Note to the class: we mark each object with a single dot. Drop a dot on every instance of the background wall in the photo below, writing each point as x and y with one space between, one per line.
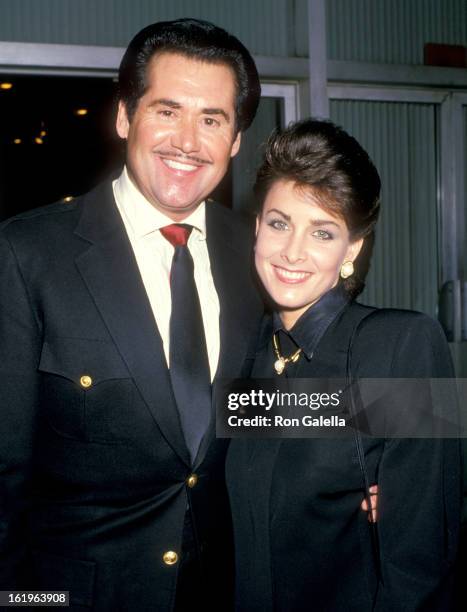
386 31
264 26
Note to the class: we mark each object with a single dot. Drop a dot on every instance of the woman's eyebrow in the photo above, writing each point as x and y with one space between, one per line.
319 222
286 217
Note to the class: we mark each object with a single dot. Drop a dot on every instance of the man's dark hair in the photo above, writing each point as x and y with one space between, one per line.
195 39
325 161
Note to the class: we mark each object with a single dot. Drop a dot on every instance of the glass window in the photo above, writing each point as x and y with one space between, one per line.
401 139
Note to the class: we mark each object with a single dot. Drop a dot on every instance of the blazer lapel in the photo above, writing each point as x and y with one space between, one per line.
110 271
230 256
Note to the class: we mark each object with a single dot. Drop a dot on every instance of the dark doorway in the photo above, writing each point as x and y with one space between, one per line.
57 138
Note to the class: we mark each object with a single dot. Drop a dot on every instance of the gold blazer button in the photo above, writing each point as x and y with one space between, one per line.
85 381
170 557
192 480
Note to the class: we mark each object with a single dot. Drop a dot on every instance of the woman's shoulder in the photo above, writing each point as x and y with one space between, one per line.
407 342
396 320
378 325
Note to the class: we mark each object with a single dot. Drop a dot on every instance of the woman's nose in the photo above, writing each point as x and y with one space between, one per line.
294 250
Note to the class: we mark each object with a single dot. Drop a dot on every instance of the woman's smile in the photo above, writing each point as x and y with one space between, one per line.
291 276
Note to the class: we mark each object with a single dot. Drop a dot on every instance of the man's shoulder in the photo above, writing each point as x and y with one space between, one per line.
46 221
240 227
228 215
41 214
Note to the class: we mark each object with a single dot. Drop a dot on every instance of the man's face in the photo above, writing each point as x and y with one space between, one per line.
182 135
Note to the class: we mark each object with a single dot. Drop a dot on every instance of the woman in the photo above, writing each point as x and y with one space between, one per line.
302 542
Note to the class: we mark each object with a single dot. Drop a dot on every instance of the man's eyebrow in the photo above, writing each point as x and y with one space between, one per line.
176 105
216 111
166 102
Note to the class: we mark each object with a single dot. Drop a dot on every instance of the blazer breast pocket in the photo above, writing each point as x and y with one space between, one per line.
86 391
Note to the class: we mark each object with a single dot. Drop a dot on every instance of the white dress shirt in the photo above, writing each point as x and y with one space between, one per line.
154 258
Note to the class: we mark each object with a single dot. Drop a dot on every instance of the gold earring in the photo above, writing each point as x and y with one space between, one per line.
347 269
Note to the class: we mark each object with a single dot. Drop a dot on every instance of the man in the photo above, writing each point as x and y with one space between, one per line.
116 313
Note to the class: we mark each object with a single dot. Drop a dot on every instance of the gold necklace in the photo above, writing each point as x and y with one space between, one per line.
281 361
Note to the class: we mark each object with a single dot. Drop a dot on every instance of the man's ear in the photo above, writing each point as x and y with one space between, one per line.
236 144
122 124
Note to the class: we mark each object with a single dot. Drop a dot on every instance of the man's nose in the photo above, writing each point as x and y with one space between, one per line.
186 136
294 250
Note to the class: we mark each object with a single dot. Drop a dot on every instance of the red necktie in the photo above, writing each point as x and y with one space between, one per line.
189 364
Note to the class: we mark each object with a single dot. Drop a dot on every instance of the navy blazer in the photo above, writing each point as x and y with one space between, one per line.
94 476
302 542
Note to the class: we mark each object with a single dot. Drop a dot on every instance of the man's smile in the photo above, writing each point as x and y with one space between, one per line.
177 165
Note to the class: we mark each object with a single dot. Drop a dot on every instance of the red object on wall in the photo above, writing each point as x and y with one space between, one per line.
453 56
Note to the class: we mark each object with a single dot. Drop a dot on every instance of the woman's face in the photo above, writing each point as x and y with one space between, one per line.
299 249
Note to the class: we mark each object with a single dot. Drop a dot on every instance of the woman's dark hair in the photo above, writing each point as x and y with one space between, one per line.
195 39
321 158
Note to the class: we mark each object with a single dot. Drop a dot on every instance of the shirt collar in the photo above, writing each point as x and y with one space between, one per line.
310 327
142 217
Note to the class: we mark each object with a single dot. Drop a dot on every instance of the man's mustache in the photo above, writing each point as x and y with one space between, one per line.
187 158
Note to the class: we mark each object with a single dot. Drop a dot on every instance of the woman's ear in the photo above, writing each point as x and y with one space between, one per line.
353 250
